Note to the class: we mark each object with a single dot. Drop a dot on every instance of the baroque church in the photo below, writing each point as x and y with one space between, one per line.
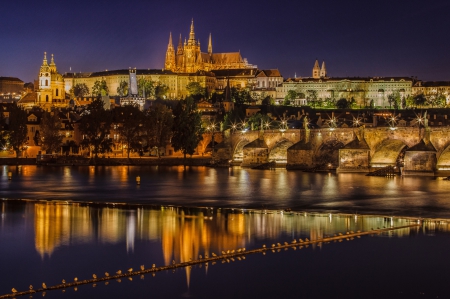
188 58
51 91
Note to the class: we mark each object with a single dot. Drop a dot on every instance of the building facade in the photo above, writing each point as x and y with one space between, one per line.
51 91
364 90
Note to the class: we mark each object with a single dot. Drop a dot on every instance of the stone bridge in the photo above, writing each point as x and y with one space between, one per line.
300 148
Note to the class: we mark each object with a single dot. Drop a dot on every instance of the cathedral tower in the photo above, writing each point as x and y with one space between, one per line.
316 70
170 55
323 70
192 51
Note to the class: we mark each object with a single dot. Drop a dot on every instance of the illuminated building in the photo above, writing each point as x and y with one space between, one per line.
189 58
364 90
10 88
51 91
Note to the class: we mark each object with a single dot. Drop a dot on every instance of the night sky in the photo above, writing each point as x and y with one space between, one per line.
355 38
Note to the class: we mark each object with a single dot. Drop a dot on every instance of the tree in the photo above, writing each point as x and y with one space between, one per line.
146 88
342 104
100 88
255 121
394 99
79 90
233 119
130 119
95 126
122 89
419 99
268 100
290 97
17 129
187 127
161 91
51 139
312 97
158 126
196 90
240 96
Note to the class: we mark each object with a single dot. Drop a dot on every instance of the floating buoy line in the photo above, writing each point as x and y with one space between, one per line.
225 256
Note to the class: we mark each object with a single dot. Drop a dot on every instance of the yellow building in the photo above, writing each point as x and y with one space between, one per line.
51 92
176 83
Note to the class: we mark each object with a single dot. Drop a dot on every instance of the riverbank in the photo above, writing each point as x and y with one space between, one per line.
111 161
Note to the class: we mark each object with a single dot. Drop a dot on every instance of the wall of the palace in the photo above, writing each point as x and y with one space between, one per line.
363 91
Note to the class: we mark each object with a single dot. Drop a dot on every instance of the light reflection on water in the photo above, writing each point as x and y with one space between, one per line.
73 235
64 240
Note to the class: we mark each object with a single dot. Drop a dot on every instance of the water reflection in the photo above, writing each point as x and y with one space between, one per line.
77 235
187 232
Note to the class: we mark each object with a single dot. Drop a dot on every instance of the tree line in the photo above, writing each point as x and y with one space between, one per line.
137 130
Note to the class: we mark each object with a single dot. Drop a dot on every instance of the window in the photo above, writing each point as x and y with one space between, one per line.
57 92
46 82
46 98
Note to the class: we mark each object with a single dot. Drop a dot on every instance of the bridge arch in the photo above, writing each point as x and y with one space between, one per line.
328 153
388 153
444 160
278 153
238 154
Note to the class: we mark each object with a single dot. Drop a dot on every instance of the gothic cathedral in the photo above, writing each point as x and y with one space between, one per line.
189 59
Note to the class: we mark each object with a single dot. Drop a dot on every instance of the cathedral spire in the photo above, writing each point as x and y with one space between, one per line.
170 41
180 46
192 33
210 45
316 70
170 55
323 70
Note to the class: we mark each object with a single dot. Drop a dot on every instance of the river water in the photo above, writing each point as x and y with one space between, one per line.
73 223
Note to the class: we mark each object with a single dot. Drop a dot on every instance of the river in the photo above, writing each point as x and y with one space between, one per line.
80 221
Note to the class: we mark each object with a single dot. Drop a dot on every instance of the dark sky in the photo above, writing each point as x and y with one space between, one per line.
355 38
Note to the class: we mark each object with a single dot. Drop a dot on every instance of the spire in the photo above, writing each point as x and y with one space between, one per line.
180 47
323 70
170 41
210 45
192 34
316 70
170 55
44 62
52 65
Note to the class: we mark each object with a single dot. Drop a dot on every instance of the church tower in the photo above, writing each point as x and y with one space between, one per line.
51 86
170 55
316 70
45 81
191 51
323 70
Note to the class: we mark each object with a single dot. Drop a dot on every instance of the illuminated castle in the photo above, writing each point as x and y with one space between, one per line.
188 57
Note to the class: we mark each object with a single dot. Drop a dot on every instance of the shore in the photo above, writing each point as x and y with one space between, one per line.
113 161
